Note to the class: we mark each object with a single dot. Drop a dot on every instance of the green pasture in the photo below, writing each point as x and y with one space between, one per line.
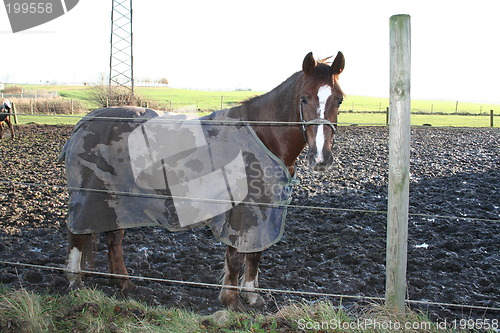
205 100
165 97
345 119
379 104
438 120
81 95
44 119
354 110
170 98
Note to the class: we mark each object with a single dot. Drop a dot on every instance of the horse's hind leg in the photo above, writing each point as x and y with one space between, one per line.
250 279
80 251
115 256
9 123
232 267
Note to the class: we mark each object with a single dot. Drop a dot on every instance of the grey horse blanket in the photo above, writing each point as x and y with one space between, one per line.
132 167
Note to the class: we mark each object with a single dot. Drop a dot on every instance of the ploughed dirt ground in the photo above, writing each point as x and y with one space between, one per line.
453 246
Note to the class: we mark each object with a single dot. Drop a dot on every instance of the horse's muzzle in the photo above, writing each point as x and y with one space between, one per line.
320 162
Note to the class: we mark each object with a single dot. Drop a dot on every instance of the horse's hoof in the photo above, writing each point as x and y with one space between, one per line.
127 286
75 285
254 300
237 307
257 302
231 300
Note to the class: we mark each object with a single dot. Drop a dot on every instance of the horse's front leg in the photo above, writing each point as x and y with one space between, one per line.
250 279
9 123
114 241
80 251
232 267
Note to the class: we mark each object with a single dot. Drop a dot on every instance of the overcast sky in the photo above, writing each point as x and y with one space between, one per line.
257 44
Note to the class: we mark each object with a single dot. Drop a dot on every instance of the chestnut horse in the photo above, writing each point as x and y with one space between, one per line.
310 99
5 112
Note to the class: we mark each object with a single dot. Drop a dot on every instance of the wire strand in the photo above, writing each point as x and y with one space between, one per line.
245 289
196 120
293 206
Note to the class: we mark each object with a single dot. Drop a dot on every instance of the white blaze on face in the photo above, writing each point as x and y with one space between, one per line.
323 93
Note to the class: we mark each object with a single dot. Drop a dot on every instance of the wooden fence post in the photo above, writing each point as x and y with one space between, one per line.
14 113
399 163
491 118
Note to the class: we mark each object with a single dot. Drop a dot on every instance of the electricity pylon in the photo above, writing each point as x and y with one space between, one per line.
121 60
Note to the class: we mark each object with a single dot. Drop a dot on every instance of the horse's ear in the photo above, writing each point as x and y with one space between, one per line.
338 64
309 63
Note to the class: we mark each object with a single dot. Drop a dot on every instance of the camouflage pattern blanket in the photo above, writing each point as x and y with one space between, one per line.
131 167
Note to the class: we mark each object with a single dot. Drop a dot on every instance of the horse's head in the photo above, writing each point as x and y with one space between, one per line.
320 97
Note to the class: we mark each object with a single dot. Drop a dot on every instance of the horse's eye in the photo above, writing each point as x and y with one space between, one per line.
341 100
303 100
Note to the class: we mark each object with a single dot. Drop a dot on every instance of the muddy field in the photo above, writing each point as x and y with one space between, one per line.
455 172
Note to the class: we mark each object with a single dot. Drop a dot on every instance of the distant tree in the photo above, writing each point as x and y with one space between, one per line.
163 80
111 96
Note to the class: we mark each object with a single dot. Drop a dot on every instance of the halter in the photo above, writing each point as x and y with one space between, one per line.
318 121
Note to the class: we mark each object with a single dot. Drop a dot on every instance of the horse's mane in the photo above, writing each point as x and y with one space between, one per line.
322 71
285 83
325 60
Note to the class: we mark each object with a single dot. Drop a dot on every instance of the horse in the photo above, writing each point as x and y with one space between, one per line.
5 112
302 110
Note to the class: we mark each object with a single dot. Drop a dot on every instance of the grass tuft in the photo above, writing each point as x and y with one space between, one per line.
89 310
23 311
